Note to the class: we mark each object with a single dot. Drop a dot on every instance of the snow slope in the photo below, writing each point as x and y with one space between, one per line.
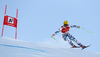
16 48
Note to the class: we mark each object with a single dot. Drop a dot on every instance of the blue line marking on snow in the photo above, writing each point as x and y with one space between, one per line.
22 47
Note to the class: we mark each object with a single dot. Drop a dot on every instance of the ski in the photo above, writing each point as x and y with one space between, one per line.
86 47
75 47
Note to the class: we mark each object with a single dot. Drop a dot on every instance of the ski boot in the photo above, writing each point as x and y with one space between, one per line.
73 46
83 47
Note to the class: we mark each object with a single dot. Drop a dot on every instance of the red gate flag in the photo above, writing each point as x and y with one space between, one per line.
10 21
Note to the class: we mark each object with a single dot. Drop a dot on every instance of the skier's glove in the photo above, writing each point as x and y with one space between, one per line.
52 35
78 26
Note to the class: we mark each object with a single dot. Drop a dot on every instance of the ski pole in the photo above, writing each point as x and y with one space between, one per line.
56 40
87 30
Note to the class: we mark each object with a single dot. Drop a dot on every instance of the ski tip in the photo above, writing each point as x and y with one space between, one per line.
89 45
86 47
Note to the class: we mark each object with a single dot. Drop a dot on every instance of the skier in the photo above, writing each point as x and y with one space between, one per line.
67 36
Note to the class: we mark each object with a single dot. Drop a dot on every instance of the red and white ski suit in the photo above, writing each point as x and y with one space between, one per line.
66 35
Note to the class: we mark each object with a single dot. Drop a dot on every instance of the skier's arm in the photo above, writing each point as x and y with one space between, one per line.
74 26
56 33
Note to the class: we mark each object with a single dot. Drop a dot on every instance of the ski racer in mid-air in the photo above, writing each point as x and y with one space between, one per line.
67 36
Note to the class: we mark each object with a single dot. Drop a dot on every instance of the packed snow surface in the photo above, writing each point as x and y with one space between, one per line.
17 48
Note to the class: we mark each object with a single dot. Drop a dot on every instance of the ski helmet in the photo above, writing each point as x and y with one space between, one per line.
65 22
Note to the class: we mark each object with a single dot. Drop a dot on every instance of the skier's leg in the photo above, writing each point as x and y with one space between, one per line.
66 38
72 38
70 42
78 43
